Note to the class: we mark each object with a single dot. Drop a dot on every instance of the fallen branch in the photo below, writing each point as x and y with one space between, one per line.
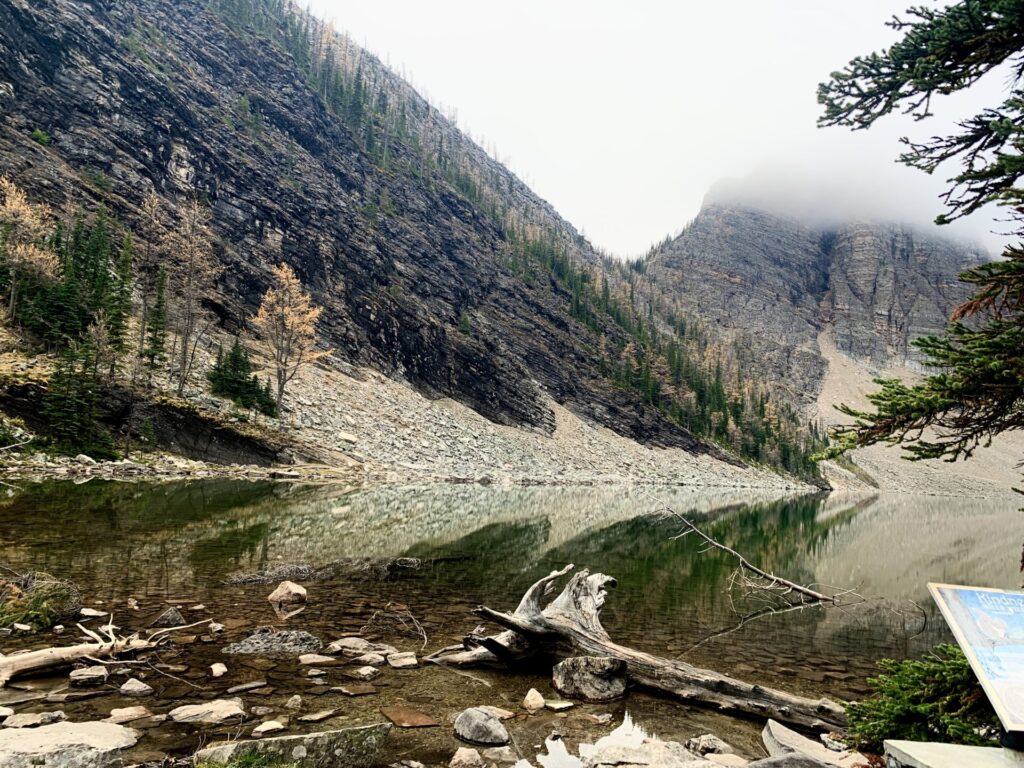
99 647
572 621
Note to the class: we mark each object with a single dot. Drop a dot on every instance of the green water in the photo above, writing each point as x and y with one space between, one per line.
180 542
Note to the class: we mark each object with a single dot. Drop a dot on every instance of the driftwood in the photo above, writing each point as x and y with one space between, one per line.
572 620
97 648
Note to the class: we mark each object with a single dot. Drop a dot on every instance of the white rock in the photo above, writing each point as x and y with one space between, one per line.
91 613
127 714
295 702
215 628
534 701
5 712
316 658
370 660
135 688
467 758
33 719
23 627
218 669
67 745
403 660
288 592
214 712
365 673
270 726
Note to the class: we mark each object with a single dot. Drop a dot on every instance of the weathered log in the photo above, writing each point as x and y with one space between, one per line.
97 648
572 619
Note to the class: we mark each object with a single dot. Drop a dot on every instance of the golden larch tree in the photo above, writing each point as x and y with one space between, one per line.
23 229
287 320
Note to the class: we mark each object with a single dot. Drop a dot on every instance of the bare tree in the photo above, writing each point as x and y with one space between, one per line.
287 320
23 228
192 269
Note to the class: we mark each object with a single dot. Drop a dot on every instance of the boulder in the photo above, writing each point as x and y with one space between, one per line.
534 701
135 688
84 459
67 745
708 744
170 618
465 757
210 712
351 747
88 676
591 678
34 719
288 592
279 644
780 741
478 726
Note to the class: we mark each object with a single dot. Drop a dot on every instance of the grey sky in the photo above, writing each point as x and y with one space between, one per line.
623 115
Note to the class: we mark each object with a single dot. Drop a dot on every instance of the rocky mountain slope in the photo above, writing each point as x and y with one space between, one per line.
408 249
772 286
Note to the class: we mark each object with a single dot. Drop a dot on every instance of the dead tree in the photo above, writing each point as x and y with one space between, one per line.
571 622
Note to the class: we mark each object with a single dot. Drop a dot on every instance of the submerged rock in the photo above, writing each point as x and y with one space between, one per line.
68 745
271 643
170 618
351 747
591 678
478 726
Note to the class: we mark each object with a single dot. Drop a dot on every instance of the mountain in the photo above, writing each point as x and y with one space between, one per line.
783 293
434 263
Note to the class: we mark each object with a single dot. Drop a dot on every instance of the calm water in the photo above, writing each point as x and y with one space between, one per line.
486 545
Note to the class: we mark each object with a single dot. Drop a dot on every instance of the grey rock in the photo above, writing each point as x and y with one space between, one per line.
210 712
591 678
33 719
271 643
780 740
478 726
351 747
402 660
83 459
500 755
708 744
123 715
135 688
295 702
88 676
170 618
66 745
465 757
357 646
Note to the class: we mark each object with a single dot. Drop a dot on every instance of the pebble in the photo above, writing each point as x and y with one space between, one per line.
534 701
218 669
295 702
270 726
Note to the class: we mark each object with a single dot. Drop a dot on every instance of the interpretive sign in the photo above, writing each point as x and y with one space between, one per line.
989 626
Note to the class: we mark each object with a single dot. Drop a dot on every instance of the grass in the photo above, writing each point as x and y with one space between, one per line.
249 761
37 599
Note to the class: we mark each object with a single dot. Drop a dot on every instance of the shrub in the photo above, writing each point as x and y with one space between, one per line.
934 698
39 136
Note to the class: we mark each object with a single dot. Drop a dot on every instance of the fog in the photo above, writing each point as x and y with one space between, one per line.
625 115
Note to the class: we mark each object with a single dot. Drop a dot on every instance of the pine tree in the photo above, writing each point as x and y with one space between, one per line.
119 301
978 391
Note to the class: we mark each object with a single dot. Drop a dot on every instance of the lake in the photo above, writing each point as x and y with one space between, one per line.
180 542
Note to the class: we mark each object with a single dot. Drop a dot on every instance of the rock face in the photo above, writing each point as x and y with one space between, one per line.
279 644
67 745
355 747
416 279
591 678
478 726
774 284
